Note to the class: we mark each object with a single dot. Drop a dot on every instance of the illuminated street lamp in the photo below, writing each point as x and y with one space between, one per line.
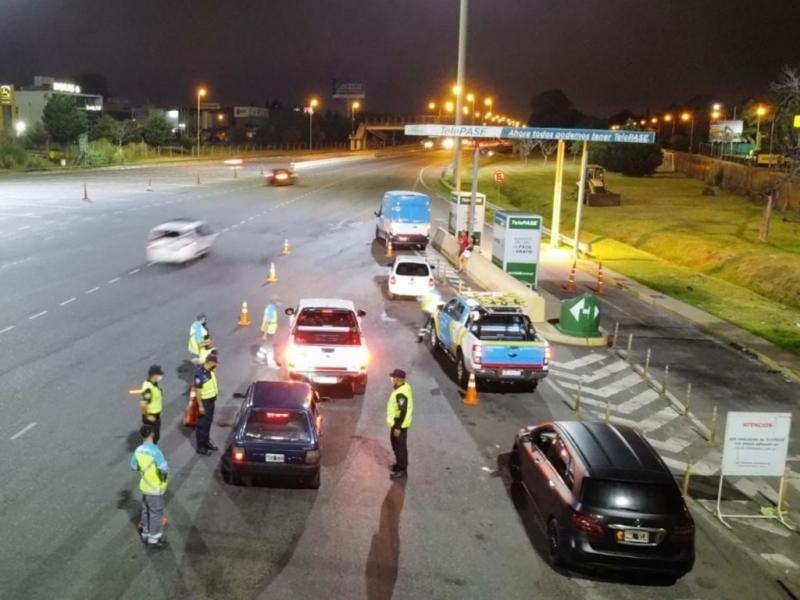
687 116
431 105
716 115
668 118
201 93
761 110
20 127
312 104
456 90
353 108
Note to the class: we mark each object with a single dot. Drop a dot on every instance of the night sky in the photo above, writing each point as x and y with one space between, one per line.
605 54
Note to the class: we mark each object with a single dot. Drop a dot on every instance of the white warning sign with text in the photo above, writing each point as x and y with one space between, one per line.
756 444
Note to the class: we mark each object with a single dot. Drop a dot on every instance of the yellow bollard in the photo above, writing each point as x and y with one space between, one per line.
687 476
630 347
578 400
712 429
783 497
616 336
646 374
664 382
688 400
608 411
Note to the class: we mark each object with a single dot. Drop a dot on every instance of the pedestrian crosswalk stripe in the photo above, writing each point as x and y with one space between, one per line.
583 361
609 390
659 419
614 367
638 401
674 445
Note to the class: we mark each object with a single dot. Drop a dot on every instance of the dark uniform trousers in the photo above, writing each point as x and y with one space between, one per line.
204 424
400 448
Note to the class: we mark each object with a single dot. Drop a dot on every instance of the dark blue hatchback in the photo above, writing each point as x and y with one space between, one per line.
275 434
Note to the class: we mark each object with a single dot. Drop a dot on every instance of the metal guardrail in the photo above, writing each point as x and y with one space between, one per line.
585 247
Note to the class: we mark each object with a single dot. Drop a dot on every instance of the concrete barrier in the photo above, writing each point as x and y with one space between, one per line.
488 276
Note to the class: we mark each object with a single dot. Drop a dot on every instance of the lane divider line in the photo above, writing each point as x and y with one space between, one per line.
134 271
115 280
65 302
9 328
22 431
92 291
37 315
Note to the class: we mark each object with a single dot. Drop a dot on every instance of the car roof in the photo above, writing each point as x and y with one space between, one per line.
179 225
411 259
406 193
615 452
280 394
326 303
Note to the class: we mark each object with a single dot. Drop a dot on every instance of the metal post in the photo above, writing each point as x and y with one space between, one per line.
647 364
555 223
198 124
616 335
462 59
581 192
712 429
630 347
578 399
474 192
687 477
688 400
664 382
310 124
758 132
608 411
691 136
771 134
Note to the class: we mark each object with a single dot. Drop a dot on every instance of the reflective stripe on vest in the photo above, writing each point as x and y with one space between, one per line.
151 482
194 345
155 405
393 410
209 388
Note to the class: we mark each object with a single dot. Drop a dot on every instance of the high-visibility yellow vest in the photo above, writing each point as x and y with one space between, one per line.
152 481
429 303
194 345
393 410
209 389
155 405
269 324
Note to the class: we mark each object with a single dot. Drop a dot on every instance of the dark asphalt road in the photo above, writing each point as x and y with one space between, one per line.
68 502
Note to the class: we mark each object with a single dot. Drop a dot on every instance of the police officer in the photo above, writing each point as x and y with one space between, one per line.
206 390
151 403
399 413
149 461
199 338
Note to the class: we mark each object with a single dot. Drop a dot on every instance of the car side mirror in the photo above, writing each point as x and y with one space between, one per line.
289 311
361 313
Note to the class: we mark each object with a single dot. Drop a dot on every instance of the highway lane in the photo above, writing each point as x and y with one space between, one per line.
455 530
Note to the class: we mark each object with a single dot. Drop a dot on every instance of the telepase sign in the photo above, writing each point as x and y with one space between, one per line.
533 133
756 444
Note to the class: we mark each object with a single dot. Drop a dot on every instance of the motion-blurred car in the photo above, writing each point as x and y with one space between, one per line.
326 344
410 276
179 241
275 435
607 499
281 176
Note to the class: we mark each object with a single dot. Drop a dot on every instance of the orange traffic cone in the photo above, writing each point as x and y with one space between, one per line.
85 192
285 250
570 286
601 284
198 179
244 317
389 252
471 397
190 418
272 277
150 185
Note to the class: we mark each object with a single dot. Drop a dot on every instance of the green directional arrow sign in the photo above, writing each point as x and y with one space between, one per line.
580 316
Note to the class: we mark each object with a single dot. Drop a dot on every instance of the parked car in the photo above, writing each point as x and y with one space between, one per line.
326 344
276 434
281 176
410 276
607 499
179 241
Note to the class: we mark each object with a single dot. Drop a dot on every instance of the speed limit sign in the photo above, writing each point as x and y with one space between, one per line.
499 176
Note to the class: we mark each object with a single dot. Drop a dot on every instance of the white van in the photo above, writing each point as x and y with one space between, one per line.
404 218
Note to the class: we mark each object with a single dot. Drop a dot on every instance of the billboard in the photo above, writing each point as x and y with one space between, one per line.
348 89
250 112
725 131
613 136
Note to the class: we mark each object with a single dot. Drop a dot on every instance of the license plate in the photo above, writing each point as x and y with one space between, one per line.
275 458
511 372
325 380
403 238
636 537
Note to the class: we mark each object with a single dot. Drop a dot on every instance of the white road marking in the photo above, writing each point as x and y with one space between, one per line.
65 302
23 228
48 238
5 329
23 431
674 445
780 559
614 367
37 315
608 390
92 291
150 264
638 401
115 280
659 419
584 361
134 271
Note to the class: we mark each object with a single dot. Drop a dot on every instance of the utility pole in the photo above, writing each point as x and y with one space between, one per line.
462 59
555 224
581 194
473 196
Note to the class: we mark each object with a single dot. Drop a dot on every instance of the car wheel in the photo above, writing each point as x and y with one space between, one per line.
360 386
461 372
433 339
513 465
390 295
316 480
530 386
554 543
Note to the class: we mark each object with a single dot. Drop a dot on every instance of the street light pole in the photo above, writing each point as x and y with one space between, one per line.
353 108
200 93
312 104
462 57
581 194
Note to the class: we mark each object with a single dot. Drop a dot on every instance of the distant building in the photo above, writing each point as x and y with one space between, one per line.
31 100
8 110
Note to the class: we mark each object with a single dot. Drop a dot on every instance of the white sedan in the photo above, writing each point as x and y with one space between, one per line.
179 241
410 276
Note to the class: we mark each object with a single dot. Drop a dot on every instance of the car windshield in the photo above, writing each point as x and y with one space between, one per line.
632 496
511 328
161 234
327 317
277 425
329 326
412 269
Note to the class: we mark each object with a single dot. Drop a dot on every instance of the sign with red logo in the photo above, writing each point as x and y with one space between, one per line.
756 444
499 176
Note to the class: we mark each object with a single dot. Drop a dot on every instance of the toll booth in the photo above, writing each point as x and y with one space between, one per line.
515 244
459 214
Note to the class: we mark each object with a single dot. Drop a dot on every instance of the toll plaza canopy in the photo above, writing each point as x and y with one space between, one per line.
613 136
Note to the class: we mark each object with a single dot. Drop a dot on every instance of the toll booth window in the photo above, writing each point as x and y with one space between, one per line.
509 328
410 269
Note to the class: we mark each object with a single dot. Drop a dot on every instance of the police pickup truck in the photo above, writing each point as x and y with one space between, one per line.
490 335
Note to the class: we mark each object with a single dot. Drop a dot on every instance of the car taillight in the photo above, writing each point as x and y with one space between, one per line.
547 354
237 454
393 280
683 532
312 457
586 524
477 353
